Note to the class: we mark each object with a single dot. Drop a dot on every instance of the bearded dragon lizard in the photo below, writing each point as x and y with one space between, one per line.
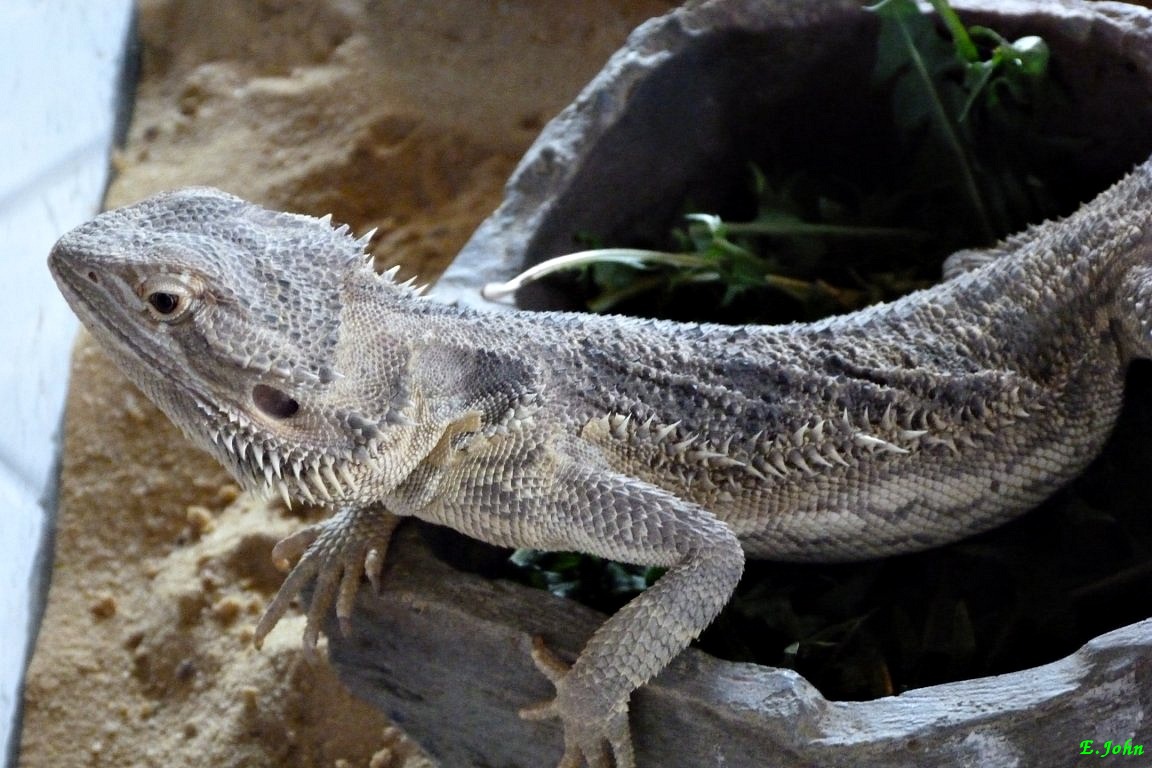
270 340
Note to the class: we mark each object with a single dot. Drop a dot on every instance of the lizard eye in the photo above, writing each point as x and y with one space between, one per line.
164 303
168 298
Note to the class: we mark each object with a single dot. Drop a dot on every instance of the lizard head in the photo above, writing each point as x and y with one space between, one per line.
229 317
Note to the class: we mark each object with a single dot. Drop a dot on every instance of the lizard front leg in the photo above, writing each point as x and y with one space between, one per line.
335 552
637 642
569 505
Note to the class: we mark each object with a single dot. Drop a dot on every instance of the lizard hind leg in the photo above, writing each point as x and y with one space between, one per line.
335 552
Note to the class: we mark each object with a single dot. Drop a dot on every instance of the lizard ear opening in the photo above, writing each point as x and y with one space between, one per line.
274 402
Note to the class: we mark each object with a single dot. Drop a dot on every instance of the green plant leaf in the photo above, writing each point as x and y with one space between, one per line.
920 98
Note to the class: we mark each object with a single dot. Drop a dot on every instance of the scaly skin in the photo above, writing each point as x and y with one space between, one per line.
268 338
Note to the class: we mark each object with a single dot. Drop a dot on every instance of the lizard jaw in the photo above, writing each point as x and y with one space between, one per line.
261 464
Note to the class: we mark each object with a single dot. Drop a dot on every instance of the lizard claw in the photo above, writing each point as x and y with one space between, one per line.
602 741
336 553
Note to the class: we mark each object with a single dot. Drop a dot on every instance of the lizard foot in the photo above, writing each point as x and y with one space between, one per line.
336 552
590 734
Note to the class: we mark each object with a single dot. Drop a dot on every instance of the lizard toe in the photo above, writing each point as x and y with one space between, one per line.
550 665
591 736
335 553
291 548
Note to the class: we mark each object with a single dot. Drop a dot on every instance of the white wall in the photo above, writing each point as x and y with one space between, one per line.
60 64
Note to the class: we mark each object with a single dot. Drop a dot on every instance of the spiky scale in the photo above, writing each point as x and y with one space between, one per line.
282 487
776 460
833 453
365 240
796 459
815 457
873 443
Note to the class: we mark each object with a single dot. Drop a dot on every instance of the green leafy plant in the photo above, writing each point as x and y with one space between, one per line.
958 99
967 115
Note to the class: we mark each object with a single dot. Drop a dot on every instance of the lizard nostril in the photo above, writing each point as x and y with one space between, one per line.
92 276
274 402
